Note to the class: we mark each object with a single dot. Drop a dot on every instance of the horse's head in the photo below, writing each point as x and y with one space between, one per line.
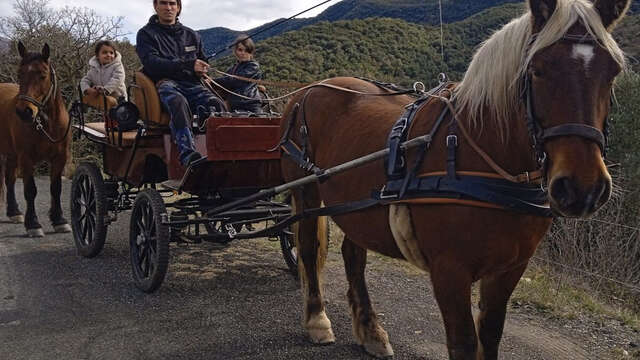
36 81
568 85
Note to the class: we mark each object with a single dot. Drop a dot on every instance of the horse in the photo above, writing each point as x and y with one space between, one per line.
34 128
546 75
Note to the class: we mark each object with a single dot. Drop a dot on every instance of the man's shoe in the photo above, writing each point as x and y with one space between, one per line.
191 158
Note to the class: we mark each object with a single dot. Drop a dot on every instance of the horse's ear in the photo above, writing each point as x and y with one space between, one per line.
21 49
611 11
45 51
541 11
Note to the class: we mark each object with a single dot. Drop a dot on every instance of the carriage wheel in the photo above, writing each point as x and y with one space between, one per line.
88 210
287 239
148 241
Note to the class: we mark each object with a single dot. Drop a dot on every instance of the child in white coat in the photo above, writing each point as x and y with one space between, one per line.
105 76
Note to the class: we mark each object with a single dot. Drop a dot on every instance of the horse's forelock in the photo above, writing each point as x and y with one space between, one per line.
32 57
492 80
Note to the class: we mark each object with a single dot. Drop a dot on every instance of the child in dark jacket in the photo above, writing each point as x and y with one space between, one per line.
248 68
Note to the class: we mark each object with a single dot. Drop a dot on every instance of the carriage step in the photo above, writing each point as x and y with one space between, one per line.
171 184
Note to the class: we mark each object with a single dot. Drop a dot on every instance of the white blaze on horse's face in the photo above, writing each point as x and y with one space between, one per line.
583 52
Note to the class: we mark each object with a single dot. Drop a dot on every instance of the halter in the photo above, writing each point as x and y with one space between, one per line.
539 134
41 118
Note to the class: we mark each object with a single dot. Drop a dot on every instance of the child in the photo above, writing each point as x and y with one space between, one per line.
105 76
248 68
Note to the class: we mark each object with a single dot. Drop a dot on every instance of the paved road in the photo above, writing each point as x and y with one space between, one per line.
235 302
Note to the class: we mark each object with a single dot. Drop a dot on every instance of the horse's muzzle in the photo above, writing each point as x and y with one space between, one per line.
570 199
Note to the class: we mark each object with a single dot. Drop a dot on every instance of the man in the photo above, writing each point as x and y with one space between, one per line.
172 56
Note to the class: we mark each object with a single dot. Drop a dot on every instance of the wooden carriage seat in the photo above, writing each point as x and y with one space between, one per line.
145 96
98 131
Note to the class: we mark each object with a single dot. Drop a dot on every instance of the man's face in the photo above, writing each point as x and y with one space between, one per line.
167 11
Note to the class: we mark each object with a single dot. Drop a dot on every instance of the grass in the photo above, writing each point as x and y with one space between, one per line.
560 298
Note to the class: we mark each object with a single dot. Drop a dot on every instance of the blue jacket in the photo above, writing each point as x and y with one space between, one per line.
248 69
169 51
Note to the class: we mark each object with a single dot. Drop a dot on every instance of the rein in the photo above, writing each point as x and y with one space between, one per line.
418 88
42 118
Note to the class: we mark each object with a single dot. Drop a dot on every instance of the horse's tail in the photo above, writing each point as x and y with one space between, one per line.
3 168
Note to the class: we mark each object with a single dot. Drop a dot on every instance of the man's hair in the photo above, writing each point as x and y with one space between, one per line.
246 41
179 6
102 43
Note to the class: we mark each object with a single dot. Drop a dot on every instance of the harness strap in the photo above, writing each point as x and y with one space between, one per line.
452 144
585 131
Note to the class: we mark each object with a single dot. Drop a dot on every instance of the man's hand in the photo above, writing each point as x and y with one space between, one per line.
200 67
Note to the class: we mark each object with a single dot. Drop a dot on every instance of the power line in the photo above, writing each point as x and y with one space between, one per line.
265 29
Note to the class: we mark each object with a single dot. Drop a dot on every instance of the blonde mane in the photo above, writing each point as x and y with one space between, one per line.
493 78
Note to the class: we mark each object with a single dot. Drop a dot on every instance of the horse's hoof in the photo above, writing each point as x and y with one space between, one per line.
319 328
17 219
62 228
322 336
34 233
379 350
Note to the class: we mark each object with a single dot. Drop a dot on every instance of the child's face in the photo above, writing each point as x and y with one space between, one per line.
106 55
241 53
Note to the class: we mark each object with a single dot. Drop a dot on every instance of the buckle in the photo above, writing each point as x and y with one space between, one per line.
452 140
383 196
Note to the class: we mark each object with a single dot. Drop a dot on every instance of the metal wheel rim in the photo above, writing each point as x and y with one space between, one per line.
291 245
145 241
84 209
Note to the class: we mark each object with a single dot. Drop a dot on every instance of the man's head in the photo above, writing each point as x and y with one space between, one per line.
167 10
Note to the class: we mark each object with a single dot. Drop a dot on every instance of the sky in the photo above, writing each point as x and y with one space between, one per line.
196 14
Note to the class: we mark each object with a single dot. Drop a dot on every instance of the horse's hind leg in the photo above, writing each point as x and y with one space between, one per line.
11 173
60 224
366 328
495 292
311 258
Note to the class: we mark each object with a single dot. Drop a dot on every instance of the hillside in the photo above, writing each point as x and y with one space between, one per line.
413 11
385 49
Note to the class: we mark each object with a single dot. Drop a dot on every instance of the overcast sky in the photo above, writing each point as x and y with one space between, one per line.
197 14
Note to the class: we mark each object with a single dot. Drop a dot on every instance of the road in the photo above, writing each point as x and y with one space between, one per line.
233 302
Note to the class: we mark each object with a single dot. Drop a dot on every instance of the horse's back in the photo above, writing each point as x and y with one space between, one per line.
8 92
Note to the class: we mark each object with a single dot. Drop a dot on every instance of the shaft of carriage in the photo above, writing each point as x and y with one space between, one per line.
424 140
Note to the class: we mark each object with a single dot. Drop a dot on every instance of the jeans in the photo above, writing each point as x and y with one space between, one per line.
178 98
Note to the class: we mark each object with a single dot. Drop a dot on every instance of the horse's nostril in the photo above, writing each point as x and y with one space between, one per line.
563 191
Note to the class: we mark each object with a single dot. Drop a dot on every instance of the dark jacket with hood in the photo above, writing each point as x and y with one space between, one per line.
248 69
169 51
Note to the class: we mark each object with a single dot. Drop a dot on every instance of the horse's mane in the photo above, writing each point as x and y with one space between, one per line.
493 78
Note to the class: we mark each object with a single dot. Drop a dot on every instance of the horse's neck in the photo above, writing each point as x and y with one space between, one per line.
509 147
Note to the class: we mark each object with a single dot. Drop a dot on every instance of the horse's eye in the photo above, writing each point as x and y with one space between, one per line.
537 73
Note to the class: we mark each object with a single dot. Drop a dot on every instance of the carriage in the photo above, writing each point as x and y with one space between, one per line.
168 202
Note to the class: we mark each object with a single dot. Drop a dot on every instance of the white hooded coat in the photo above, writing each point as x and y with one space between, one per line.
109 76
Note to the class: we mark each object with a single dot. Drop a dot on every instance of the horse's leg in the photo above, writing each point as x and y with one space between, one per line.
311 258
60 224
495 292
11 173
452 289
366 328
34 229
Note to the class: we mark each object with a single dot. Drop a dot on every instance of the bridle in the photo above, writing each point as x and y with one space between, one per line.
539 134
42 118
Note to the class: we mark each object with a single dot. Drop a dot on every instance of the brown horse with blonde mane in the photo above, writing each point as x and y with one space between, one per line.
560 54
34 127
